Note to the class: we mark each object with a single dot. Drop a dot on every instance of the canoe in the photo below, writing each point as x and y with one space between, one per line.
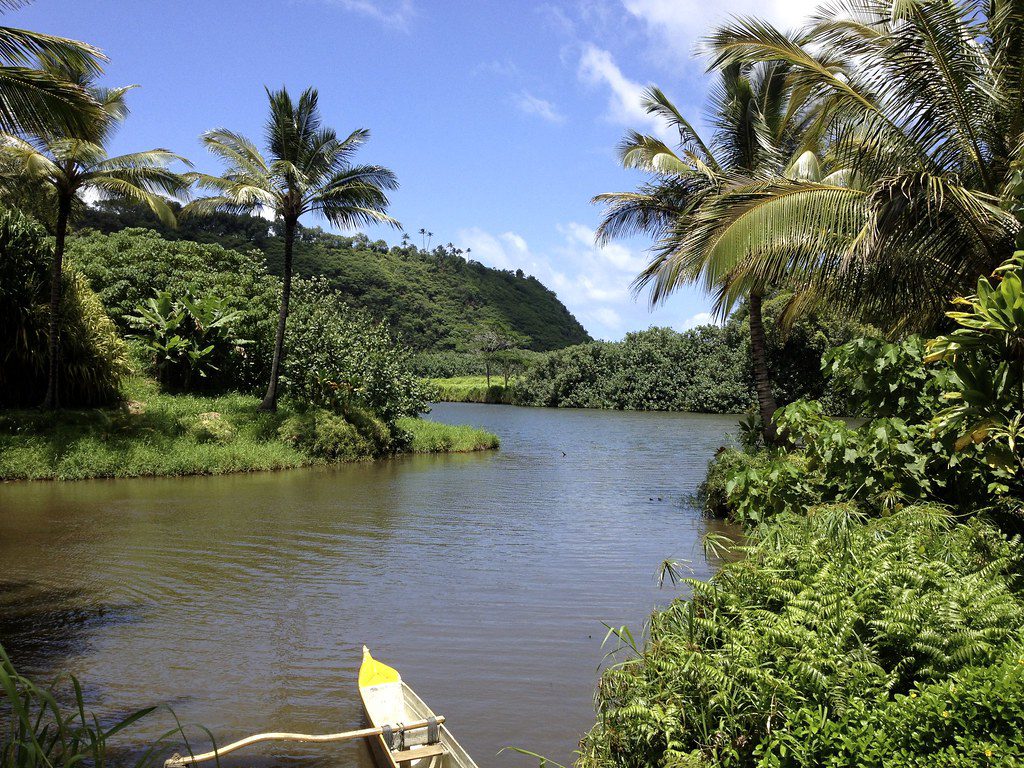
389 701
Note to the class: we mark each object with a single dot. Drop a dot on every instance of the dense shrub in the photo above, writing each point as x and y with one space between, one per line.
702 370
447 364
336 358
946 423
985 359
753 487
881 465
357 434
795 352
882 379
93 359
127 267
705 369
838 641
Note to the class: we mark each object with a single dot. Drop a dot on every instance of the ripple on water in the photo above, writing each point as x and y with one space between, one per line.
243 601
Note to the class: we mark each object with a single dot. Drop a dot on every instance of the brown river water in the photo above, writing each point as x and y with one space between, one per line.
242 602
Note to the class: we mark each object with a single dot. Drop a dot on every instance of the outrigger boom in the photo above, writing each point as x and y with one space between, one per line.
176 760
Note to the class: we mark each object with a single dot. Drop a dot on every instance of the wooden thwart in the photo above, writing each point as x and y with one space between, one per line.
416 753
177 760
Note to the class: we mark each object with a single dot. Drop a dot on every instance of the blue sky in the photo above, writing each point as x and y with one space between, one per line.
500 118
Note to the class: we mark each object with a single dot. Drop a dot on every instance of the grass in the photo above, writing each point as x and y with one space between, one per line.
41 732
432 437
156 434
472 389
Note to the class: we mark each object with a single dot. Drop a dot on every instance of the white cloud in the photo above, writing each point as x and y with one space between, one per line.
533 105
507 250
593 282
677 25
393 13
608 317
614 254
598 67
701 318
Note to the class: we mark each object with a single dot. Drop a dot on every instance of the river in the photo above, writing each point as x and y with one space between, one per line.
243 601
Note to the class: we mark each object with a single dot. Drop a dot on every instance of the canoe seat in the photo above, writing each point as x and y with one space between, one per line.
416 753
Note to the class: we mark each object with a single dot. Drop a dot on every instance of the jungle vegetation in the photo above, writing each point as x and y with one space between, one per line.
874 619
434 300
144 353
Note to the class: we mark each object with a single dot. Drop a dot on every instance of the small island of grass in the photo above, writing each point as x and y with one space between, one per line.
154 433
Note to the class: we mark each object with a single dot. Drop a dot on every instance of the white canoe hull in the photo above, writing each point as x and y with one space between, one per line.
388 700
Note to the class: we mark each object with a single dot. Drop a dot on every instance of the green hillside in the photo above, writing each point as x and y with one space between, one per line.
434 300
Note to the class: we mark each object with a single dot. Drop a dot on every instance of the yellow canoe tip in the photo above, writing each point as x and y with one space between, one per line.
373 672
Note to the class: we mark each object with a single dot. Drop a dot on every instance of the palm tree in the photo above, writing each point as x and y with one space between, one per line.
924 102
34 99
65 166
307 170
762 130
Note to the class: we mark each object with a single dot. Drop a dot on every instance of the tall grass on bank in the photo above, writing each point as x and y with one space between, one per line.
38 731
837 641
157 434
432 437
470 389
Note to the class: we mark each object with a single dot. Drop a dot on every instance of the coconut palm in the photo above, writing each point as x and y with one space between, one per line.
65 167
33 99
925 107
307 170
760 126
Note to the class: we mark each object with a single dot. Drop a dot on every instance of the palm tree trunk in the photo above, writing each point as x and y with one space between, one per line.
52 400
270 399
762 382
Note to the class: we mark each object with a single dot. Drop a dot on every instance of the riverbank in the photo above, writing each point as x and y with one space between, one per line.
157 434
471 389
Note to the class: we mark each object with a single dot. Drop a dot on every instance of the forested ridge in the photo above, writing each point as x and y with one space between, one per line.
433 299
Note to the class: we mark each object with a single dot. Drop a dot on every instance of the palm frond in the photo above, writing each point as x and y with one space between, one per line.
123 189
236 151
34 102
657 103
20 47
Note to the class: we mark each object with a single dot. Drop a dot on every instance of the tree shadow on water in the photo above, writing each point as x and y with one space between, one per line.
42 626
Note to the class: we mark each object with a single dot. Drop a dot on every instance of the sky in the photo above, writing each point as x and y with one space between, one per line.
500 117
